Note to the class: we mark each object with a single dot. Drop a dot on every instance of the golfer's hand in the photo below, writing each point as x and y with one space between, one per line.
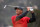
32 11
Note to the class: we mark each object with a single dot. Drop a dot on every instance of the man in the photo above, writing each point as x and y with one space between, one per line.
20 20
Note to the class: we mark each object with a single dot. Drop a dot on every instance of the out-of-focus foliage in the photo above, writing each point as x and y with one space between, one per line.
37 23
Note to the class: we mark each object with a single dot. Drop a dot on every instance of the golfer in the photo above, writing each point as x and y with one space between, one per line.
21 20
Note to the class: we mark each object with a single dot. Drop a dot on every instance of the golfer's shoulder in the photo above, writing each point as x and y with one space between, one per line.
25 17
13 16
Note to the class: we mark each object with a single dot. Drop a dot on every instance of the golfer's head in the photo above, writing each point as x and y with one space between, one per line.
18 10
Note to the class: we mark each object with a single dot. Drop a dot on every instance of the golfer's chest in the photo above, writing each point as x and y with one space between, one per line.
21 21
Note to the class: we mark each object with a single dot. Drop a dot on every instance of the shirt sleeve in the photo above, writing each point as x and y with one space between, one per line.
21 16
27 19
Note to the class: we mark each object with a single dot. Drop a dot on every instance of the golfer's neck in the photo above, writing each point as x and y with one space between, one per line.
19 14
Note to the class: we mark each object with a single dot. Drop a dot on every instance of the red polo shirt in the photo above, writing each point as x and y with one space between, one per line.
20 23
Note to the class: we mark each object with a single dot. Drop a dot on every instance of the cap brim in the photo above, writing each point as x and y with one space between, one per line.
18 8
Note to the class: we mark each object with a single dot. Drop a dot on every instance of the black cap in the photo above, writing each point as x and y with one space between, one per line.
18 8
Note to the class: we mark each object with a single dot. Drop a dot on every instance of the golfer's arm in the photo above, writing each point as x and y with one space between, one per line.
33 18
21 16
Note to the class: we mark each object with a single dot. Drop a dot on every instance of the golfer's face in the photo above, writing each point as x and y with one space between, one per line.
18 11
